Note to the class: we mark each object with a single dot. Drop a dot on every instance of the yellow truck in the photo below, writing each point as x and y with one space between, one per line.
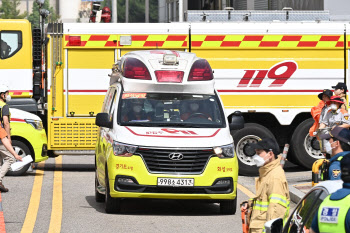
270 71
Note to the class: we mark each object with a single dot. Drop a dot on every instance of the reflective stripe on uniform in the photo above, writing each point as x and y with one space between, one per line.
261 205
279 199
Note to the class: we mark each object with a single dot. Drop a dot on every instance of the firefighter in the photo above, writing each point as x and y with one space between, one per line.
333 214
272 194
340 90
337 145
335 116
319 111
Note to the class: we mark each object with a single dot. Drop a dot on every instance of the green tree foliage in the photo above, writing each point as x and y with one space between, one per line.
136 10
34 17
8 10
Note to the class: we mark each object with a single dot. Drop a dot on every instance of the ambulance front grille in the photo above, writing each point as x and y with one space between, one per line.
74 135
158 160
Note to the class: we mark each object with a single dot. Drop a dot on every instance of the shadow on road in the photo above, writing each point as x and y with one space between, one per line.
161 207
69 167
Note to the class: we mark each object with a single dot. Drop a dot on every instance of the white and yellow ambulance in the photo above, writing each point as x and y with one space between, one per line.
163 133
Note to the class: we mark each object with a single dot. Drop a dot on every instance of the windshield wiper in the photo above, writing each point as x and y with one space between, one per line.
186 125
136 124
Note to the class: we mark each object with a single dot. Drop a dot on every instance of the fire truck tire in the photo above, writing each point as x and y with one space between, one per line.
98 196
305 149
251 133
228 207
22 150
112 205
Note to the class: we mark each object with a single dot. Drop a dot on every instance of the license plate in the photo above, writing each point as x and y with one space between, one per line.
175 182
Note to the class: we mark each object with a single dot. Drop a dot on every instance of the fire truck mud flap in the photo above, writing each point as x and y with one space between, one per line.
251 133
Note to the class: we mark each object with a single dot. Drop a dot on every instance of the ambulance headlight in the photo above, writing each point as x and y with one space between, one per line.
121 149
226 151
35 123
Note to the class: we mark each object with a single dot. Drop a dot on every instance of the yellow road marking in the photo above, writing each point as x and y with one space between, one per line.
56 211
32 212
245 191
304 184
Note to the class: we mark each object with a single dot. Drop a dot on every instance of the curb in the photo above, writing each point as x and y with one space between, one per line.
2 220
295 194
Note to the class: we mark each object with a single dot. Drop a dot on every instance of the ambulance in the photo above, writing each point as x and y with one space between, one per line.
164 133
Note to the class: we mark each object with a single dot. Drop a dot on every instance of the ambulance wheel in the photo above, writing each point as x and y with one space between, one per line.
112 205
228 207
22 150
98 196
305 150
251 133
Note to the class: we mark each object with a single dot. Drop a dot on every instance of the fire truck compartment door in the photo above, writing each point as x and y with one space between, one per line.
87 80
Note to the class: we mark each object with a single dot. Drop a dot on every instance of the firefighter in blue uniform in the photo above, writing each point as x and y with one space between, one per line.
333 214
337 145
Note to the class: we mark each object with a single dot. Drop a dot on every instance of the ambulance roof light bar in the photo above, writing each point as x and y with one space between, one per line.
135 69
169 76
200 71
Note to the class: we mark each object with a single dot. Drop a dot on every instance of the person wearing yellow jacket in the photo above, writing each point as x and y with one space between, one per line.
272 194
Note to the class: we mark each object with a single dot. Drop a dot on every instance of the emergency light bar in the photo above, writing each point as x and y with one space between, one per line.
170 76
200 71
135 69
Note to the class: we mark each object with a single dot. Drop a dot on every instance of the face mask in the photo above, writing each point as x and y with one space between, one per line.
328 147
8 98
137 108
258 161
334 107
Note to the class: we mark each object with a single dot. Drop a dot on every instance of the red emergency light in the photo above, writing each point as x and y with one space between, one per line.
169 76
74 41
200 71
135 69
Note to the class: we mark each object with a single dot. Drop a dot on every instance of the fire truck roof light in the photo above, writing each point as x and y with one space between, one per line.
200 71
135 69
74 41
169 59
125 40
169 76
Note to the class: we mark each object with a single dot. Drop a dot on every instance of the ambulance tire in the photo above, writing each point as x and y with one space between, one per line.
98 196
22 150
303 147
228 207
251 133
112 205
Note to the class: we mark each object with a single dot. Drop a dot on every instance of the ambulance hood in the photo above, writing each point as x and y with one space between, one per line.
22 115
173 137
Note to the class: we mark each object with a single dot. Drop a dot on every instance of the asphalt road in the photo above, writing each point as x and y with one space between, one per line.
61 199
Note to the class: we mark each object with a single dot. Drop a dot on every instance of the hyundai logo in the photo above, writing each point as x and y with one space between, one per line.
176 156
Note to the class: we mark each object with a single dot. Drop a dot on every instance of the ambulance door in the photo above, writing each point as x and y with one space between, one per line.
87 80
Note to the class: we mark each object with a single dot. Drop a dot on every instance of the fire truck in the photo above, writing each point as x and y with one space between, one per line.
269 71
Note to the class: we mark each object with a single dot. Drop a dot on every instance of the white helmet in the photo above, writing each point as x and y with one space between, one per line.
4 88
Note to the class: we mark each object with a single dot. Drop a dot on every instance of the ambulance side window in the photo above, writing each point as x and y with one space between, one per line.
10 43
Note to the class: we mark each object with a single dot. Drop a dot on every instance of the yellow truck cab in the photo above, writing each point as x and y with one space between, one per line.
163 133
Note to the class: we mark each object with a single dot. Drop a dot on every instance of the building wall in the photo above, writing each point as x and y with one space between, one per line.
338 9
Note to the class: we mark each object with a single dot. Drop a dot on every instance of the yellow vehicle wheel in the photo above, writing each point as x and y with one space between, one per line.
228 207
112 205
22 150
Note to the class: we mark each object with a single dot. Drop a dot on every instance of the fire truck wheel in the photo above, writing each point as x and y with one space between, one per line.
112 205
305 149
251 133
98 196
22 150
228 207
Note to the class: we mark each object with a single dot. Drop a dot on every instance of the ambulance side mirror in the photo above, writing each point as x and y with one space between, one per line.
236 121
274 226
103 120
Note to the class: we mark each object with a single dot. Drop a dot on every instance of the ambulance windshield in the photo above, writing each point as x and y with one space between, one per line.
170 109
